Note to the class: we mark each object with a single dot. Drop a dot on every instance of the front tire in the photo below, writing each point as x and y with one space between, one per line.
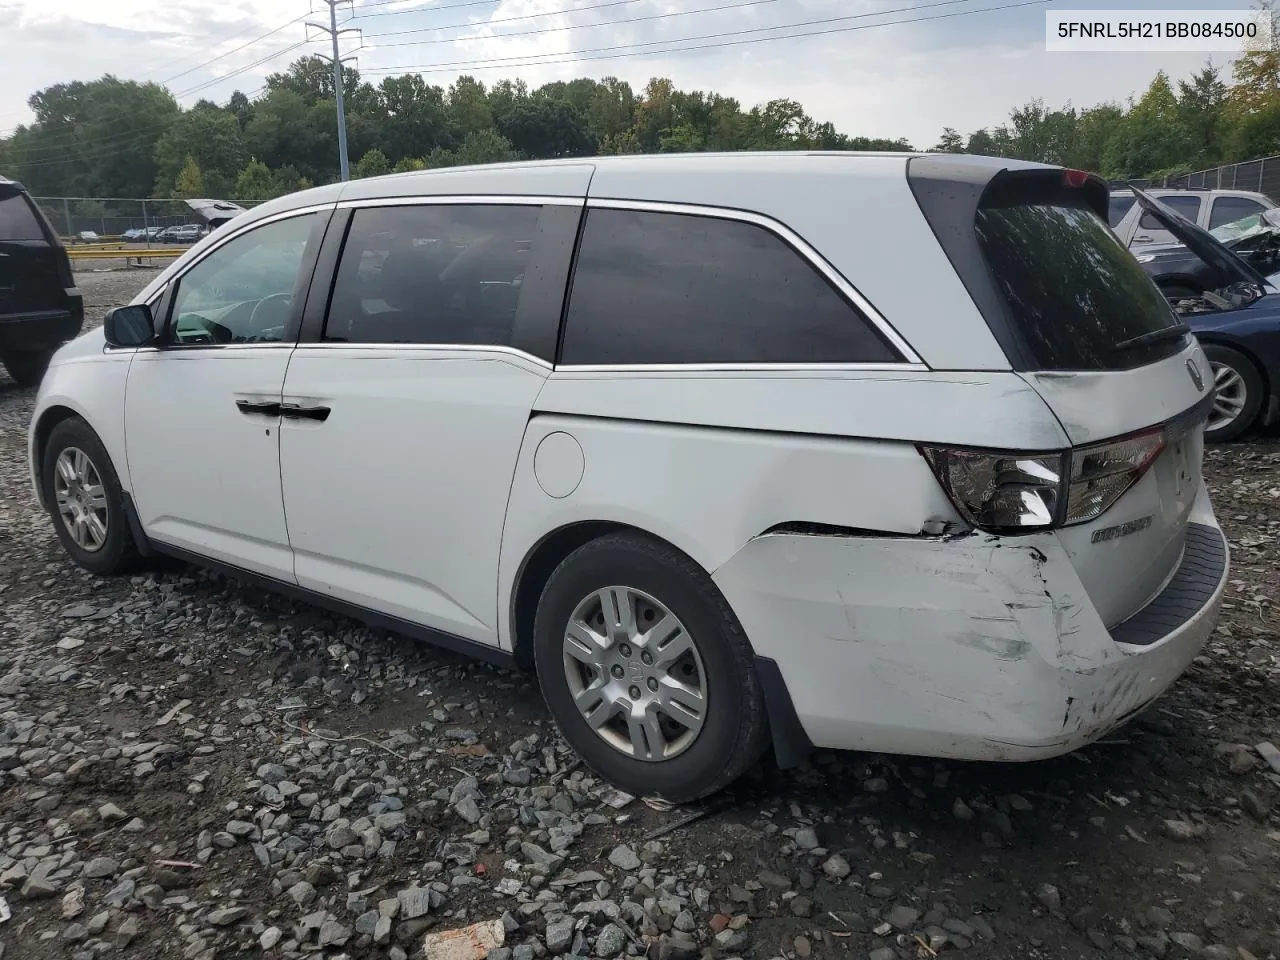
647 671
1240 393
85 500
27 367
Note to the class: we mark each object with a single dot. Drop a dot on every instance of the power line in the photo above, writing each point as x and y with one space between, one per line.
396 13
528 61
575 26
223 56
485 23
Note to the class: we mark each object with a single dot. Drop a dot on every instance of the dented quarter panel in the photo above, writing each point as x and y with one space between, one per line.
710 491
971 647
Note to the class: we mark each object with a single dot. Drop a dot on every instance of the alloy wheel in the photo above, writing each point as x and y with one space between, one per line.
635 673
1230 396
81 499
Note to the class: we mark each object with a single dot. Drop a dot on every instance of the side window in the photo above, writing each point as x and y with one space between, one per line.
244 291
1189 207
432 274
675 288
1231 209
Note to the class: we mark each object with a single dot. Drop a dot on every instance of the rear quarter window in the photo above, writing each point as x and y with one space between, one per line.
673 288
17 220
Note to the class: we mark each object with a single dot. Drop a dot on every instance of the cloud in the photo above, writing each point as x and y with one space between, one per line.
907 79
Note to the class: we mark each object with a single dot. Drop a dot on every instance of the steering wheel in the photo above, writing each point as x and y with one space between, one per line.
287 298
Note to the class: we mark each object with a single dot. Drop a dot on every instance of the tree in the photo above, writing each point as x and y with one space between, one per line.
213 138
255 183
544 129
949 142
189 183
1202 109
485 146
409 164
469 110
372 164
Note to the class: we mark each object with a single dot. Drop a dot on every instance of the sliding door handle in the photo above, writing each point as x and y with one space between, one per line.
296 412
265 408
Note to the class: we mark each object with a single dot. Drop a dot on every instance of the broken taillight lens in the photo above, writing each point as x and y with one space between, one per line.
1000 491
1009 492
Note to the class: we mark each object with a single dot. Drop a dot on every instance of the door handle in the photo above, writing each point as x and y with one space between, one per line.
1141 239
296 412
265 408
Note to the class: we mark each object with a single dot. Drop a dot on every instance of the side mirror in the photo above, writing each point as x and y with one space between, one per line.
129 326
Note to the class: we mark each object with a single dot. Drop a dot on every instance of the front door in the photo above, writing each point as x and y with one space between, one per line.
202 412
404 420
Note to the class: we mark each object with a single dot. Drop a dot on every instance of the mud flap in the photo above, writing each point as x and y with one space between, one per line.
791 745
140 541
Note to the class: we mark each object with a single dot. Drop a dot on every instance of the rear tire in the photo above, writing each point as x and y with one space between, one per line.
104 546
649 581
1241 393
27 367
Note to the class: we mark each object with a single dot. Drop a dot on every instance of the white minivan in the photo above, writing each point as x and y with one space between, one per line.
886 452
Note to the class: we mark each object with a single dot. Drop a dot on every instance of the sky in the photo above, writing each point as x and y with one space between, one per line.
884 68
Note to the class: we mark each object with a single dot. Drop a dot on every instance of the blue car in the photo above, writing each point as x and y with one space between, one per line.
1236 318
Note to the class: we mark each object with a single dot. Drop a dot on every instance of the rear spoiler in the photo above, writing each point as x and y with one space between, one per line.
949 189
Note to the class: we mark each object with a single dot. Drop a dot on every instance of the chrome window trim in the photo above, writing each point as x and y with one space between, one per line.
802 368
433 347
802 246
463 199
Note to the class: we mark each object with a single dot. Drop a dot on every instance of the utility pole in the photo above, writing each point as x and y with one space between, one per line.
332 30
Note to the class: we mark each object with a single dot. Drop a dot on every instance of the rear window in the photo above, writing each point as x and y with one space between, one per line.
17 219
1073 291
1188 206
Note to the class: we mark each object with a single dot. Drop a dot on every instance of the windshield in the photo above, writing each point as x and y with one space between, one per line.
1240 228
1073 291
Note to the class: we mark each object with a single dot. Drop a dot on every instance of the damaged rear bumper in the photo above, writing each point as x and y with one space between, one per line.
976 648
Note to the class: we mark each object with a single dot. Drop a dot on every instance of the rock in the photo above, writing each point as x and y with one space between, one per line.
126 932
803 947
340 834
610 942
540 858
1183 830
806 838
559 934
382 930
1269 753
883 953
100 867
468 809
961 811
72 904
1189 942
333 934
624 858
414 902
270 936
1255 806
876 785
467 943
302 893
228 915
110 813
98 922
801 907
1049 897
677 947
836 867
39 886
902 917
731 941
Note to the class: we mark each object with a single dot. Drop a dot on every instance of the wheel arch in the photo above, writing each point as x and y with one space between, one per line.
541 561
46 420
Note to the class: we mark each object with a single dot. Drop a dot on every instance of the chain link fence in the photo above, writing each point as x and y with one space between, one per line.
1259 176
108 218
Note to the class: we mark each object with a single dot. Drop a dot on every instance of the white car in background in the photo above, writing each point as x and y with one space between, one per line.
689 436
1205 208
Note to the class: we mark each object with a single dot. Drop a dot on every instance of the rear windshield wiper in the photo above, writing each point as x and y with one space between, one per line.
1175 332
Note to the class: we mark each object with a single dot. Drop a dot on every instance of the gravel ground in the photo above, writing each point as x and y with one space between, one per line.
193 768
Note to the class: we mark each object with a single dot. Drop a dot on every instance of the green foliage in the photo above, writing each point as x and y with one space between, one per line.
190 182
372 164
121 138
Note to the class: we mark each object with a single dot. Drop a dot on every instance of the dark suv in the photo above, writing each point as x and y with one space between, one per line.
40 307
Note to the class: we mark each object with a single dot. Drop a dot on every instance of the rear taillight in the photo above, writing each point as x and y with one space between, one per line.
1008 492
1100 475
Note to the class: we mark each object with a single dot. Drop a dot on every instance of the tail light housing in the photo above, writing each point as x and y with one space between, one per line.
1004 491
